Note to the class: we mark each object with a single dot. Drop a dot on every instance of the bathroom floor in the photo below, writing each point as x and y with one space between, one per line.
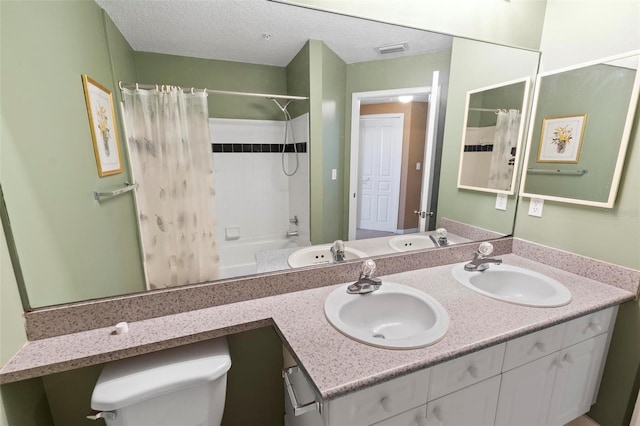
582 421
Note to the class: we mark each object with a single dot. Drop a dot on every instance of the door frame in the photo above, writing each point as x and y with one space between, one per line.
398 172
356 100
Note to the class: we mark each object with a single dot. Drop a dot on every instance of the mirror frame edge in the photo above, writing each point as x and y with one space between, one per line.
624 142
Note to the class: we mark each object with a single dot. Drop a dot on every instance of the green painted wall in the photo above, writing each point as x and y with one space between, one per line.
473 207
517 23
334 74
506 97
298 81
611 235
48 169
326 109
154 68
602 92
412 71
25 402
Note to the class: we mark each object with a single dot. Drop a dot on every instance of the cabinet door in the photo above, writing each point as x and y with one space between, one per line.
525 393
471 406
379 402
576 379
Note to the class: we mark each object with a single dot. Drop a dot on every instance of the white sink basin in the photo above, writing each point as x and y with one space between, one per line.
318 255
410 242
395 316
514 285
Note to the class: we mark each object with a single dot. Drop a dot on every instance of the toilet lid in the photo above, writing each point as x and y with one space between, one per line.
143 377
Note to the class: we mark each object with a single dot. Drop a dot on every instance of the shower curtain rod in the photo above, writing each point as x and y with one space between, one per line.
215 92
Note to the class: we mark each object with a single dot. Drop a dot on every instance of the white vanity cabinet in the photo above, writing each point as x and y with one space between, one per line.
548 377
556 388
474 405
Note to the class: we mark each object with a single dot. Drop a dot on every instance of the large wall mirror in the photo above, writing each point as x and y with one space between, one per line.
74 248
492 137
580 130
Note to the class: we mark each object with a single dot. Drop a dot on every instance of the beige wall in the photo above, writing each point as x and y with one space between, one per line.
418 135
413 138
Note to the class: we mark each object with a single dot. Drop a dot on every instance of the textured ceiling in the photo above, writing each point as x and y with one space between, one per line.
233 30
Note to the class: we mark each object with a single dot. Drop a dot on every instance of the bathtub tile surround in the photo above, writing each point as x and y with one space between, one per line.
248 184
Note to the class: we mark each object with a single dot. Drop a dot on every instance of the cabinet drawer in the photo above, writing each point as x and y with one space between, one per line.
475 405
381 401
414 417
533 346
466 370
588 326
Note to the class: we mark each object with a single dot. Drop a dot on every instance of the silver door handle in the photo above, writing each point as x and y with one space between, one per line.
423 214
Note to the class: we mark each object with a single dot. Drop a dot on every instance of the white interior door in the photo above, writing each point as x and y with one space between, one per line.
379 171
426 208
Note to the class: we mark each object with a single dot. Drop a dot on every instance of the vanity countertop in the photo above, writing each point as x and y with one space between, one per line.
336 364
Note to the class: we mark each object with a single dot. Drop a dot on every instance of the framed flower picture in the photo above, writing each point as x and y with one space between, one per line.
104 130
561 139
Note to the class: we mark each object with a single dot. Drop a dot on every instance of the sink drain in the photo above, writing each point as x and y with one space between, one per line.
378 336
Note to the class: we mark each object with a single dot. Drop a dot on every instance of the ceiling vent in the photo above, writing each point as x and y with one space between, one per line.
392 48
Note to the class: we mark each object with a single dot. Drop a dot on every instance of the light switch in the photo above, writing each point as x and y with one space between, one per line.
418 166
334 174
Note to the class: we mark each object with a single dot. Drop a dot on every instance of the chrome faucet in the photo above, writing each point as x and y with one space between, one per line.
366 283
441 239
337 251
480 262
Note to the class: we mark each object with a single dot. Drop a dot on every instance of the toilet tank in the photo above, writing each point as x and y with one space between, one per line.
183 386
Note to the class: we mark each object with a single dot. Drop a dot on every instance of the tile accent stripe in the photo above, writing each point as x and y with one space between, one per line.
478 148
257 147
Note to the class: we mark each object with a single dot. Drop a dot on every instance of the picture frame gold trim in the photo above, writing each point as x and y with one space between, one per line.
560 131
103 126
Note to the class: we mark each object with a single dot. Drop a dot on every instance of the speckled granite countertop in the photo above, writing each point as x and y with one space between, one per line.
335 364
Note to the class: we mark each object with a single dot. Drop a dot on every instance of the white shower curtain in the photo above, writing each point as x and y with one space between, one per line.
506 137
170 154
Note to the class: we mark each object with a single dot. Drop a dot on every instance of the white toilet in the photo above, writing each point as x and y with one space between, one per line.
183 386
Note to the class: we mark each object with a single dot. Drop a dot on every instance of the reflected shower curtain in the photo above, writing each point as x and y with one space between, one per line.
505 139
170 154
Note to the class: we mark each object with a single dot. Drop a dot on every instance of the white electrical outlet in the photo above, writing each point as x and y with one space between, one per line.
418 166
535 207
334 174
501 202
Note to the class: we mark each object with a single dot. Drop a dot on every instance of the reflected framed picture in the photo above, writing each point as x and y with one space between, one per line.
104 129
561 139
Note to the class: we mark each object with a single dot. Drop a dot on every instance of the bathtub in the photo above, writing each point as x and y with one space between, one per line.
239 257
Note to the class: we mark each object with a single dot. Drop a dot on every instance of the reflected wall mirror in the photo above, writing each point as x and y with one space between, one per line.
72 248
492 137
580 129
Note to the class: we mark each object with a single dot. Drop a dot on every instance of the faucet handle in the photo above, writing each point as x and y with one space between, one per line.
441 233
485 248
368 268
338 245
